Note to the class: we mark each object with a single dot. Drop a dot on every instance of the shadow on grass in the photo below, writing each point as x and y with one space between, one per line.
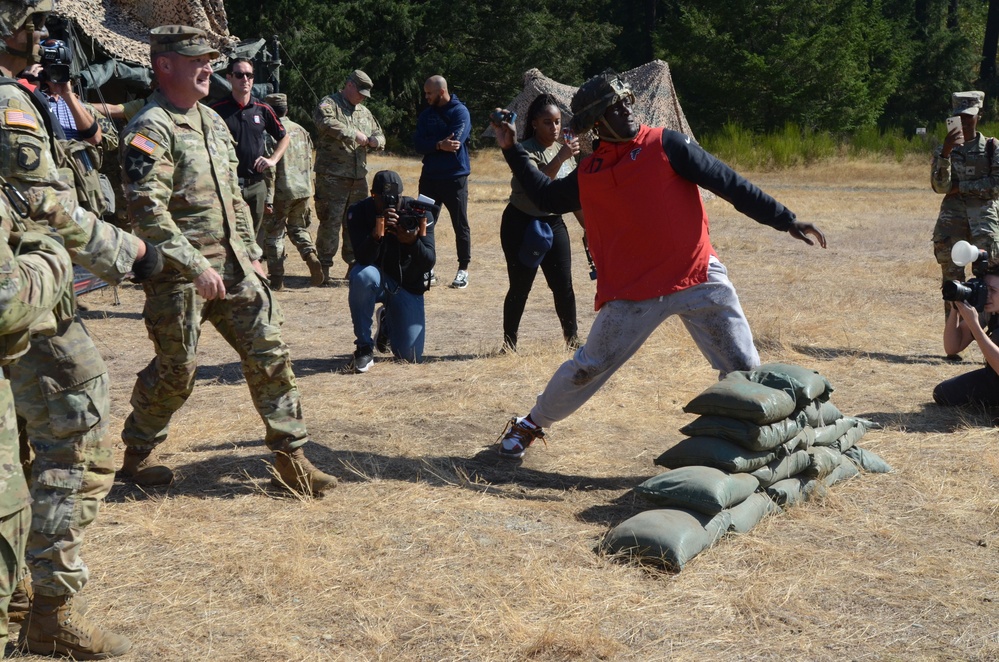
829 353
231 373
225 476
934 418
615 511
101 314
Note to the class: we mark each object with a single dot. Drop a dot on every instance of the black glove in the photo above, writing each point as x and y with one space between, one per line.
150 264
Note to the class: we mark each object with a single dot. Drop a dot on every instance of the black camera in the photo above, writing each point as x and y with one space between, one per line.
500 116
412 213
56 58
974 292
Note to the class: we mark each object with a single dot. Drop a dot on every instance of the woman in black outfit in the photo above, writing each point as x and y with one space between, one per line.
554 158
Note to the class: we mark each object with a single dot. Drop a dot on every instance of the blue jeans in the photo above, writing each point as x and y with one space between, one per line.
404 312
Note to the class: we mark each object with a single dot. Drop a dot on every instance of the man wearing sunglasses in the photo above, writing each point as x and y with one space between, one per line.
647 230
248 118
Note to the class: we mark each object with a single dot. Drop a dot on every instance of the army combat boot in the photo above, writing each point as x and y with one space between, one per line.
277 282
294 471
324 271
55 627
141 470
20 605
318 276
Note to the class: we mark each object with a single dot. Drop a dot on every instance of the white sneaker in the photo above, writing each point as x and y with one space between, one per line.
460 281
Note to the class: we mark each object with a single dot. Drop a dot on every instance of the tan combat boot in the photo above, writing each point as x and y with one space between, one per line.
56 627
141 470
324 271
277 282
316 270
294 471
20 605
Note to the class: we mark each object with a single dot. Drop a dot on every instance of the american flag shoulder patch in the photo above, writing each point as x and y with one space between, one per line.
18 117
143 144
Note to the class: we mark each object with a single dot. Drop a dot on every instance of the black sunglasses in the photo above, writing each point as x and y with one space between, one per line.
242 74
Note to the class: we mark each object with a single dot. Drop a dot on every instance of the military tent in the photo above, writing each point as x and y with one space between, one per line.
656 101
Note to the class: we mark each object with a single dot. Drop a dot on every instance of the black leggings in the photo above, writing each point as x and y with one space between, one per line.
978 387
556 265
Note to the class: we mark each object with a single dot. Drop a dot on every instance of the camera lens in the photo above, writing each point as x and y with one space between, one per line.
955 291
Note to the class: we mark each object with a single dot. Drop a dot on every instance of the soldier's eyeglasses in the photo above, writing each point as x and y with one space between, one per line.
242 74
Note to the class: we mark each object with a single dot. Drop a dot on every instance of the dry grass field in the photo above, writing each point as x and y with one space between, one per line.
431 549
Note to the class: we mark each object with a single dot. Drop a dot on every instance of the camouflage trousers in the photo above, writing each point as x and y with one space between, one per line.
249 319
13 536
254 195
16 515
293 216
61 392
979 227
334 196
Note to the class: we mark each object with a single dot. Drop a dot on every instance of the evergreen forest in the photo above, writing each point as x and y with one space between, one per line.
834 66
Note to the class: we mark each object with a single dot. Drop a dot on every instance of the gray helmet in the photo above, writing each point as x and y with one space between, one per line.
594 97
15 13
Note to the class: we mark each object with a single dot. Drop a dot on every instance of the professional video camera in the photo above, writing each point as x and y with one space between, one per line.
56 58
412 211
974 292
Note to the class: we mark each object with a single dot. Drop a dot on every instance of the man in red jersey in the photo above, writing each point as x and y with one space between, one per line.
647 230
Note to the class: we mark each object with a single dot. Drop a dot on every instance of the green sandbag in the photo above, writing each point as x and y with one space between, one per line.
867 460
850 438
746 434
802 384
823 460
669 537
704 489
844 471
801 441
713 452
750 512
818 413
736 397
787 492
782 468
828 434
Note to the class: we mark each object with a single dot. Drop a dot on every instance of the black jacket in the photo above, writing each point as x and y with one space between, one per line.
410 265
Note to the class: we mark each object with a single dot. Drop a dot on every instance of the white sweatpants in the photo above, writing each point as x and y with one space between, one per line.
710 311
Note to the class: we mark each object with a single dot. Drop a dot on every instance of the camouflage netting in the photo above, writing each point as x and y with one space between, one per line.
655 99
121 27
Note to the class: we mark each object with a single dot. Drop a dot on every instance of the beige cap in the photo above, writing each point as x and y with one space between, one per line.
967 103
278 101
180 39
361 81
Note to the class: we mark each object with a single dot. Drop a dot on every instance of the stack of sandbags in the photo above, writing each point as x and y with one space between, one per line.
764 439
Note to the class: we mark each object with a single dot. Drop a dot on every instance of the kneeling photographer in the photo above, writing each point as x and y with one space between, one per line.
393 239
964 324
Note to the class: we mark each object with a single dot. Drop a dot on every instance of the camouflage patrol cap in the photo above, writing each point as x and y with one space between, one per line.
967 103
361 81
14 13
180 39
594 97
277 101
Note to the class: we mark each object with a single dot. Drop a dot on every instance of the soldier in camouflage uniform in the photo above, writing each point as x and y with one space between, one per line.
35 277
60 385
289 200
182 192
347 130
966 171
